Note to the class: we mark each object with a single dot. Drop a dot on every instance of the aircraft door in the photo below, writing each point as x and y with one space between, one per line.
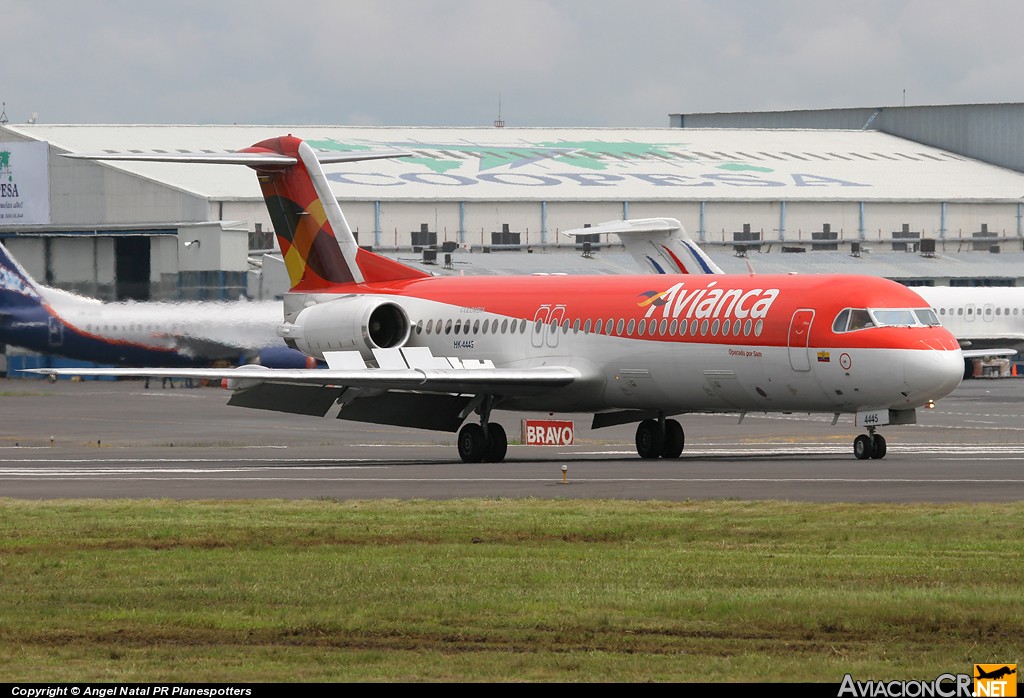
800 339
540 326
56 331
553 320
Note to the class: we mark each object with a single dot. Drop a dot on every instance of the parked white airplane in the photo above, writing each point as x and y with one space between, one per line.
626 348
136 333
988 321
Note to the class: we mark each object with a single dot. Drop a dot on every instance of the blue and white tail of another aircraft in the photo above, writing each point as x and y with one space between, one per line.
167 334
659 245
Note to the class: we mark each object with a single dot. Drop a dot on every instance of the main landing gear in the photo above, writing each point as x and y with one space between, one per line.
870 445
659 438
485 441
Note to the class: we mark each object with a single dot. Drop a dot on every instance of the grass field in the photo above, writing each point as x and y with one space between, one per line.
505 590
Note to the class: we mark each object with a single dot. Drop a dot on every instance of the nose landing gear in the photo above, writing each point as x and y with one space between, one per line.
870 445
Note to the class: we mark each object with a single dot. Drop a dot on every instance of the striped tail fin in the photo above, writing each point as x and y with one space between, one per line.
316 241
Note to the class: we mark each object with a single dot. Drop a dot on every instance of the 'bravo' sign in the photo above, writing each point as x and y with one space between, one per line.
547 432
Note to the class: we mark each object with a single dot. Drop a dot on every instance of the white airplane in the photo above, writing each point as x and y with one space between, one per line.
135 333
629 349
988 321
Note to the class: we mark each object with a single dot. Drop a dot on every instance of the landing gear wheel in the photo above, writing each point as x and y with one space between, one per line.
472 443
863 448
497 443
675 439
878 446
650 442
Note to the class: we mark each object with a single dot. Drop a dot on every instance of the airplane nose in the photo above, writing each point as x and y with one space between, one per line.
933 373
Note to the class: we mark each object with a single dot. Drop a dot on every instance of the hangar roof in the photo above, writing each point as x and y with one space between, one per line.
571 164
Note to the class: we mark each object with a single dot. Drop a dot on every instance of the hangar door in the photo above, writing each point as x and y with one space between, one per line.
132 267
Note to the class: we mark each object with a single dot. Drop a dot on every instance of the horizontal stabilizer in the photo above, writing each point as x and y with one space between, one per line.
628 227
240 158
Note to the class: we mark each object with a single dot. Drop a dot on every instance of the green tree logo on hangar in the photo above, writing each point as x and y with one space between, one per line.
589 155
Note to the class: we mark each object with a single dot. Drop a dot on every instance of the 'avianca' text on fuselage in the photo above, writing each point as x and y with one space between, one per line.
710 302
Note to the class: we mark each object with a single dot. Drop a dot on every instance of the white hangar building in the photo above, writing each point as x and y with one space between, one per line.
161 230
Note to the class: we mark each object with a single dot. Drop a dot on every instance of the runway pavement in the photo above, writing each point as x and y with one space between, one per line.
119 439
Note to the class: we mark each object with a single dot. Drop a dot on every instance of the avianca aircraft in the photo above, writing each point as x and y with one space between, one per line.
626 348
52 321
987 321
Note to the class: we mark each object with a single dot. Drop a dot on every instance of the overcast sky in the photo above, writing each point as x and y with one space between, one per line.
446 62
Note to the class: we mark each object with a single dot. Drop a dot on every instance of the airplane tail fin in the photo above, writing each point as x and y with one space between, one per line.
658 244
316 241
17 289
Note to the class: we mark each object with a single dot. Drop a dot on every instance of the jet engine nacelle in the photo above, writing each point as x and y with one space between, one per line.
353 323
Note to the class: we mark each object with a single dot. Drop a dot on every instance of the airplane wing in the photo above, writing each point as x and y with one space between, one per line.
983 353
504 381
408 387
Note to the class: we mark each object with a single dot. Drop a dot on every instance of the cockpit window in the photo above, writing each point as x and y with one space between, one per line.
842 319
927 316
852 319
894 318
859 319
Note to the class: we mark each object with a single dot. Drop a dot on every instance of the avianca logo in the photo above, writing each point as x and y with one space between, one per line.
653 299
709 302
